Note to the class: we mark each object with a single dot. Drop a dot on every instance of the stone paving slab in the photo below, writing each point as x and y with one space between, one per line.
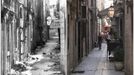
112 72
85 73
49 46
96 63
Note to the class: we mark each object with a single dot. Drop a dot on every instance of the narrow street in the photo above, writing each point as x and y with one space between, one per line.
96 63
46 59
50 64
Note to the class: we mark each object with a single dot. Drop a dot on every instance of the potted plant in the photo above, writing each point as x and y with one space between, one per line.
119 58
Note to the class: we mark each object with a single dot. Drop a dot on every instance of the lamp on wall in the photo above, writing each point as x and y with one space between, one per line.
49 20
111 11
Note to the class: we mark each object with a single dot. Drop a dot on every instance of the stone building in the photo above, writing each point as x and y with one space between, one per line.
128 36
21 21
38 23
80 32
122 23
117 21
13 31
124 26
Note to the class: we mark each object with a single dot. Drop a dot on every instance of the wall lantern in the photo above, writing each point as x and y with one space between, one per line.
49 20
111 11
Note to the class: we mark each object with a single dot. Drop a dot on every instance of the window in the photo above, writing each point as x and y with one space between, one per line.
20 12
83 11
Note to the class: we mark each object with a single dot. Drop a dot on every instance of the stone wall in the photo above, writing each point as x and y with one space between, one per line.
19 23
78 38
128 37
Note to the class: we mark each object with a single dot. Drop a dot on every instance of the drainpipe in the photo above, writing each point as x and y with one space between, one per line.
0 49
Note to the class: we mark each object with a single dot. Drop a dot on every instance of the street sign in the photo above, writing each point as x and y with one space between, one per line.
55 24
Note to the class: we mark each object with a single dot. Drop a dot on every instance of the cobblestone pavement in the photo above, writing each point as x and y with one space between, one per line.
96 64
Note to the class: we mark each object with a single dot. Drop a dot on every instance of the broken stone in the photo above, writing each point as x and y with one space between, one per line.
44 53
19 67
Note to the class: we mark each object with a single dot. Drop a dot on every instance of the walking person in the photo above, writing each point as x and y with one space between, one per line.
108 39
99 41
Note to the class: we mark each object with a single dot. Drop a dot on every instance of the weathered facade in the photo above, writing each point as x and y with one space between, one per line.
72 58
21 21
124 27
117 21
128 36
13 32
92 22
38 23
80 32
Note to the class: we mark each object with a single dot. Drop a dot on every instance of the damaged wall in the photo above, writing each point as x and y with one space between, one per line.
20 22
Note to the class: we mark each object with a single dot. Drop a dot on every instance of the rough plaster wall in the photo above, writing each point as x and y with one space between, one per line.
128 42
0 46
63 35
